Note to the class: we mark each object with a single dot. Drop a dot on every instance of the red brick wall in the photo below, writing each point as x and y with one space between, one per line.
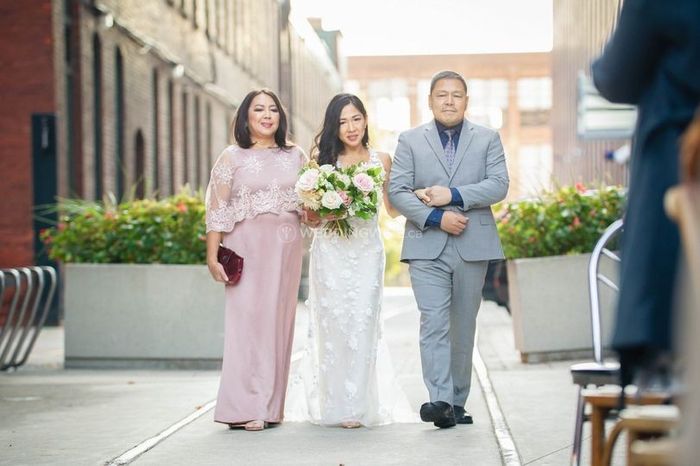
174 35
26 87
236 50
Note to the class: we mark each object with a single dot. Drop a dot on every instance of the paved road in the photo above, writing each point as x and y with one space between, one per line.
86 417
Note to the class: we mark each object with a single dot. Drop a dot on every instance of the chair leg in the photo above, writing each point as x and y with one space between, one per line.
578 430
610 443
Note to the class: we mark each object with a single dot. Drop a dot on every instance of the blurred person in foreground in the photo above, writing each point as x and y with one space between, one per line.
652 61
251 208
690 161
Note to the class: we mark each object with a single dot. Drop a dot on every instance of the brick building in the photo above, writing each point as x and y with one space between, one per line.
132 96
580 32
510 92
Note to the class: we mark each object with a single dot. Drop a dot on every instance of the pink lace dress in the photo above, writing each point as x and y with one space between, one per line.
251 199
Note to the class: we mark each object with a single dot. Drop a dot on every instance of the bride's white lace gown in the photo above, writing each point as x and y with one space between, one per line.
342 377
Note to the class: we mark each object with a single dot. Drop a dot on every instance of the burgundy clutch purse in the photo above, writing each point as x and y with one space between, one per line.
232 262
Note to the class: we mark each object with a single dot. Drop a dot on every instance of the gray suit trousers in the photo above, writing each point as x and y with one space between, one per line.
448 292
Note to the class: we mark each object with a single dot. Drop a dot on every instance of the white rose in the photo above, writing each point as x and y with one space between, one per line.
307 180
326 168
331 200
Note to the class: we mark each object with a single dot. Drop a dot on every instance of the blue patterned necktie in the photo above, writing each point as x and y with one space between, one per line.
450 148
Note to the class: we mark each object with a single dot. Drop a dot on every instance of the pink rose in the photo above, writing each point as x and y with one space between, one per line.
363 182
347 200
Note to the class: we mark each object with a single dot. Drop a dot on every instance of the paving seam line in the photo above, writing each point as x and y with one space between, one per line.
130 455
138 450
506 445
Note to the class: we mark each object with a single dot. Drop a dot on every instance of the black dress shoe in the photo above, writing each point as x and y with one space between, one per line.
461 416
439 413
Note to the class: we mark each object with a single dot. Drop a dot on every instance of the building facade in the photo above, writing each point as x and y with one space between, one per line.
580 32
136 98
508 92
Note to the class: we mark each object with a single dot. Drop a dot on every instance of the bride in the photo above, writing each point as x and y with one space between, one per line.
343 385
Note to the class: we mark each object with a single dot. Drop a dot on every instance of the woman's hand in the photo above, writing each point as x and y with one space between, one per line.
310 218
422 194
331 217
217 271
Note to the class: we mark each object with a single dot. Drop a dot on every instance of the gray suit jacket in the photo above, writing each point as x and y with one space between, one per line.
479 173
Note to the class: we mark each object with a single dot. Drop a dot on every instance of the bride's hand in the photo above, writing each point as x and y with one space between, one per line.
422 195
331 217
310 218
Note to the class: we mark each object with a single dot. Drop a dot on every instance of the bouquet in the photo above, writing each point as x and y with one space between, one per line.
340 193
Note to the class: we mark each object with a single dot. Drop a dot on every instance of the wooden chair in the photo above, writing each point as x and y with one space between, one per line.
604 401
655 452
640 421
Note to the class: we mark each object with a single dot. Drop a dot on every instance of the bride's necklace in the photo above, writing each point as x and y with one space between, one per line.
347 161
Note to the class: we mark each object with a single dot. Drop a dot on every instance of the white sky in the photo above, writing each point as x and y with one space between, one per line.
424 27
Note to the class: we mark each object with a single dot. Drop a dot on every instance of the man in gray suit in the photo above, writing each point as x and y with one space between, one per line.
445 176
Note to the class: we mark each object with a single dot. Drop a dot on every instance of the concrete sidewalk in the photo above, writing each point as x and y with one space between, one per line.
53 416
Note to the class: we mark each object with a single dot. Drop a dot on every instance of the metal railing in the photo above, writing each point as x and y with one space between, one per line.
26 293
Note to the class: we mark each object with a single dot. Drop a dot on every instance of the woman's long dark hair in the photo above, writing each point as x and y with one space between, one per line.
327 145
241 132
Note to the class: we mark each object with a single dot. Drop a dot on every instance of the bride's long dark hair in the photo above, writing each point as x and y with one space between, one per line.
327 145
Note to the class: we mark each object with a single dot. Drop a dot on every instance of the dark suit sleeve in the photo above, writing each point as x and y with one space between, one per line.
624 69
435 218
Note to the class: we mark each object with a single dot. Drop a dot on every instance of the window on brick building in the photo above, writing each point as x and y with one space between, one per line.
228 127
156 133
535 93
185 140
139 165
97 114
197 144
220 18
208 147
120 115
207 27
534 169
488 101
171 137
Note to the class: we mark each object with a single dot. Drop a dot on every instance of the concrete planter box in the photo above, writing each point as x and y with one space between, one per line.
550 306
142 315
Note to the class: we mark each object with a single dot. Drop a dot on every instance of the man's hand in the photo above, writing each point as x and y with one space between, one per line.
453 223
438 196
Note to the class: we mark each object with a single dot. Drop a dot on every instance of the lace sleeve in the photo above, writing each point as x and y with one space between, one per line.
303 158
218 199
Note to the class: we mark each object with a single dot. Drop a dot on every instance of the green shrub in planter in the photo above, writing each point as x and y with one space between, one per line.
167 231
568 220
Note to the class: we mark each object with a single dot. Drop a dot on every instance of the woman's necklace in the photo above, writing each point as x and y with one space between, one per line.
356 160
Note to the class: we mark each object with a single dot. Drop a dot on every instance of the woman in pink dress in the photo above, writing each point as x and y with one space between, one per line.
251 209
